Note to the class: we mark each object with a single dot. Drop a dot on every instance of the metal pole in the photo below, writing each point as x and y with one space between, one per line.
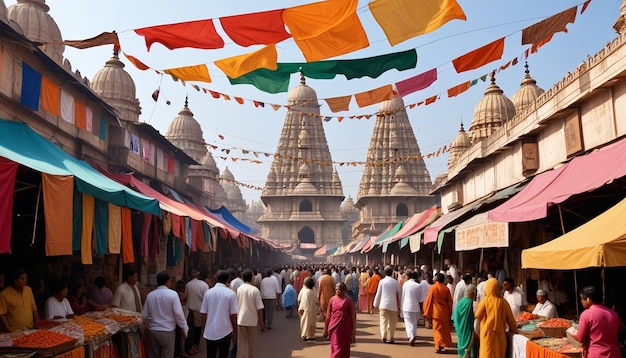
32 241
561 217
577 296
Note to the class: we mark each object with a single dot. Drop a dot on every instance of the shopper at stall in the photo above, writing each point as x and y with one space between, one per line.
57 305
100 296
494 314
514 296
18 310
544 307
162 313
598 326
78 300
127 294
438 307
219 317
463 316
194 291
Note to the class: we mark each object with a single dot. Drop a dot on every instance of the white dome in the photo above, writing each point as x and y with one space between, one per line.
391 105
113 84
38 26
302 94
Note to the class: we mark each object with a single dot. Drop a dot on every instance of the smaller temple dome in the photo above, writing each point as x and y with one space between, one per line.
302 94
186 133
460 143
348 205
233 193
38 26
528 92
304 187
491 112
391 105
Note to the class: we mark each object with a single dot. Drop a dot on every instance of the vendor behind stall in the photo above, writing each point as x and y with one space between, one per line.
57 306
100 296
544 307
17 304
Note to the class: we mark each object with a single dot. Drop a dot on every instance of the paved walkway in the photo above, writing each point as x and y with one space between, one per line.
283 341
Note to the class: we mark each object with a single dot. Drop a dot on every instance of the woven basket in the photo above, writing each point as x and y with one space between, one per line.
535 333
554 332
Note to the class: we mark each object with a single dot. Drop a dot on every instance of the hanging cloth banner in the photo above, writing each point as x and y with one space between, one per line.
128 255
199 34
58 213
236 66
326 29
114 229
101 226
479 57
137 63
405 19
458 89
50 97
260 28
374 96
105 38
89 207
278 81
339 104
416 83
8 173
538 32
31 87
190 73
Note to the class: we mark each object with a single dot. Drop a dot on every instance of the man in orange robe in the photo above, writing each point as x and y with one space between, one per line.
372 287
326 291
438 307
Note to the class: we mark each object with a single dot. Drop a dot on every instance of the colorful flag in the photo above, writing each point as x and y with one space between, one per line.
480 56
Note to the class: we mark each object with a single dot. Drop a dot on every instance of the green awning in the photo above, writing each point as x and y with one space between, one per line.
22 145
385 235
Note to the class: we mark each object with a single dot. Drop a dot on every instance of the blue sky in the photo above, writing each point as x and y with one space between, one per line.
258 129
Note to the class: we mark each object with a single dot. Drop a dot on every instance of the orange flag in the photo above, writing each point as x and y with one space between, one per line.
50 96
338 104
374 96
238 66
405 19
479 57
260 28
86 237
128 255
58 213
326 29
543 29
190 73
458 89
140 65
80 114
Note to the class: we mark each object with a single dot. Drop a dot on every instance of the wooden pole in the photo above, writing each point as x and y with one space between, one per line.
577 296
561 218
32 241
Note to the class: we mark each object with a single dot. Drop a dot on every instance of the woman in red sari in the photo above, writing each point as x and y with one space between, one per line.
340 323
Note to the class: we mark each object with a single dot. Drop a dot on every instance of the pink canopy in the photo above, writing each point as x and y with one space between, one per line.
415 223
582 174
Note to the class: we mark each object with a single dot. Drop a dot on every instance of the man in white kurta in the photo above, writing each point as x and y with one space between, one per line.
250 315
194 291
307 309
423 292
127 294
387 300
514 296
410 305
459 290
544 307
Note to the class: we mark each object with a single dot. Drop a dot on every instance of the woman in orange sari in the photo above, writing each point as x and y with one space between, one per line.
372 286
494 314
340 323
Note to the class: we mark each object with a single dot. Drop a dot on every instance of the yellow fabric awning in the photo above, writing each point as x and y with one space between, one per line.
599 243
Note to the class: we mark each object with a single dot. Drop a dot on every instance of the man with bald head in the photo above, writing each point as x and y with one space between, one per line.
544 307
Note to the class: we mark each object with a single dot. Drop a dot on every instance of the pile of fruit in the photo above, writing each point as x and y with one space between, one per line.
555 323
91 329
526 316
41 339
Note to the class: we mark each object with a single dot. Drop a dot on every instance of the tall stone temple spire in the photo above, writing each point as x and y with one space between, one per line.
395 182
302 193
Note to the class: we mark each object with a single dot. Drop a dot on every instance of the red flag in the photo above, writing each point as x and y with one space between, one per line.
582 10
480 56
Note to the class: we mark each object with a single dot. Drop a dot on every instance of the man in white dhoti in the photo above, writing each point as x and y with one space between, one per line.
410 306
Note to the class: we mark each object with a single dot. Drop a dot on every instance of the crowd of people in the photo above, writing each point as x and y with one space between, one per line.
228 309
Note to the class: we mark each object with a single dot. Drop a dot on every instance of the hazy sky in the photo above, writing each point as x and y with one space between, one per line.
258 129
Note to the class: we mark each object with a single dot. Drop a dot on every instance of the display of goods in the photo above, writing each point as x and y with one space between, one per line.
71 329
91 328
42 339
123 319
526 316
555 322
5 341
112 326
47 324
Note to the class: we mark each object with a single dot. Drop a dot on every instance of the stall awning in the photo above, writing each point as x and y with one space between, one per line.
321 251
231 219
415 223
388 233
480 232
581 174
22 145
361 243
434 232
600 242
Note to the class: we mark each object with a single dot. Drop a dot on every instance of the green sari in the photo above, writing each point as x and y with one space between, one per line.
464 325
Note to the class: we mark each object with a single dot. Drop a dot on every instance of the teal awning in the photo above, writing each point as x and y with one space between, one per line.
22 145
387 234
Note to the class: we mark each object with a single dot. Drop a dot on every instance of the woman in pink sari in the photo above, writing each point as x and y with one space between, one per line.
340 323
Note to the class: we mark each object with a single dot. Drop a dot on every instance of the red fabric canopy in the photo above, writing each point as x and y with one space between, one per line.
582 174
414 224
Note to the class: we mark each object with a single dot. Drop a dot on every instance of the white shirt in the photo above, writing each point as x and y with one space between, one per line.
235 284
124 297
387 294
546 309
516 300
423 291
459 293
218 304
164 311
336 277
269 288
249 299
410 290
195 290
480 290
56 308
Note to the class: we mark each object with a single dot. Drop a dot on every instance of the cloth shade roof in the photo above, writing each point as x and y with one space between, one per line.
321 251
21 144
434 232
231 219
368 244
581 174
360 244
415 223
392 230
601 242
